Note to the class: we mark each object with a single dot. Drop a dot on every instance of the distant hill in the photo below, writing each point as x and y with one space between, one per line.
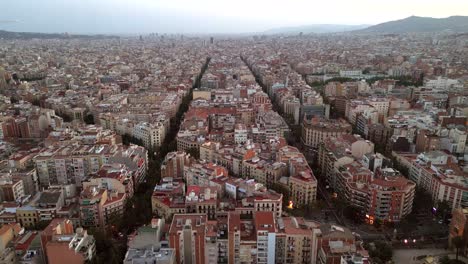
416 24
318 28
30 35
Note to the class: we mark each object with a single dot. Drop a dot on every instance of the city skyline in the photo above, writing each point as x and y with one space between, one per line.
207 16
266 132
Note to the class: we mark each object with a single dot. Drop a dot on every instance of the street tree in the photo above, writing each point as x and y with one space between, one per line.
457 242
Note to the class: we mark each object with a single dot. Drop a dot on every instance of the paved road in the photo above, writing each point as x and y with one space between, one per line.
408 256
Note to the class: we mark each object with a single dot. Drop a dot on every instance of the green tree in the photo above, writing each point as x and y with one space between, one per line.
443 209
315 83
354 214
408 224
36 102
381 252
377 223
339 79
127 140
457 242
41 225
107 251
447 260
444 260
422 201
194 152
89 119
66 118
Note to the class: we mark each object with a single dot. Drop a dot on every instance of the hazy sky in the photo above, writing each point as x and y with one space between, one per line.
208 16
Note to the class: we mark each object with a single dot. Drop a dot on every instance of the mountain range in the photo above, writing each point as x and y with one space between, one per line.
30 35
415 24
317 29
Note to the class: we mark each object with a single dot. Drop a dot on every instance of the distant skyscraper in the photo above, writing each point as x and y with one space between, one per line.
211 40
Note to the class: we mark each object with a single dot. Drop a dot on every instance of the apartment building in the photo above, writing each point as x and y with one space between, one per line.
265 231
174 164
240 134
438 173
187 236
234 237
202 200
366 119
316 130
73 164
302 183
459 227
99 206
11 189
269 201
8 233
113 177
303 189
338 151
168 198
201 173
151 134
385 195
60 242
160 256
294 240
331 242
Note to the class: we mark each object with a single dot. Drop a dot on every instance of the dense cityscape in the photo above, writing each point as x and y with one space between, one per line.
170 148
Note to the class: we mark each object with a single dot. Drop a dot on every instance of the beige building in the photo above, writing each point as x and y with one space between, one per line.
317 129
303 189
301 182
8 233
27 216
198 94
297 234
438 173
152 134
337 151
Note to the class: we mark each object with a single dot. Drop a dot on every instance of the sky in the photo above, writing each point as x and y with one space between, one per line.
208 16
